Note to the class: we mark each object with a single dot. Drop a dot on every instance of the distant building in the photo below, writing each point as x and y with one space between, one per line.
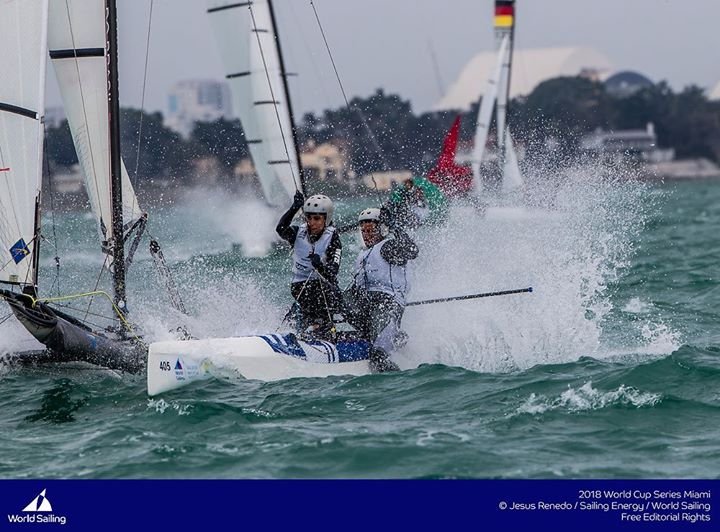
530 67
626 145
385 180
626 83
193 101
328 161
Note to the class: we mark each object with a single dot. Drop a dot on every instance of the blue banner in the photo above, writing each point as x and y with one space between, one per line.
358 504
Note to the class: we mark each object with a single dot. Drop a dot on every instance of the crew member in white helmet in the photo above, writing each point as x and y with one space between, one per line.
380 284
316 258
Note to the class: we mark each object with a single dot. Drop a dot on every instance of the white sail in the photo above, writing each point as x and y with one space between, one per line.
512 177
249 50
486 109
76 39
23 30
504 30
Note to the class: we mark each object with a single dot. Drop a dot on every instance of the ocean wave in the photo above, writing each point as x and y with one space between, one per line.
586 398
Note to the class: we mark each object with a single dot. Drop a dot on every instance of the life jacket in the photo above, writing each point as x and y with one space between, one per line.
374 274
302 267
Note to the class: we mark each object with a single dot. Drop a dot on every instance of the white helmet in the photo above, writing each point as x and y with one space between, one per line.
370 215
320 204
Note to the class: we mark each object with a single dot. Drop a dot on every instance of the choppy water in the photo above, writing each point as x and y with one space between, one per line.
608 370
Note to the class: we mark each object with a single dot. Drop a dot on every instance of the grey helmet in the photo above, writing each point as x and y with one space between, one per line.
373 215
370 215
320 204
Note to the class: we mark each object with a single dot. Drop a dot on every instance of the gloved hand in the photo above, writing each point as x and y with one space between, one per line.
298 200
387 218
315 260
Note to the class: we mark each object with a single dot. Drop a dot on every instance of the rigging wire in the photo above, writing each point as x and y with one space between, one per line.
3 319
347 103
97 284
51 192
272 95
142 102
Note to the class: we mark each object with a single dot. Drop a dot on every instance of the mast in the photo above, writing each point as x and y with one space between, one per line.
118 245
504 26
284 76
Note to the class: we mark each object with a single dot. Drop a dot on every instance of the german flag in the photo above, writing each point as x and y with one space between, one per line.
504 13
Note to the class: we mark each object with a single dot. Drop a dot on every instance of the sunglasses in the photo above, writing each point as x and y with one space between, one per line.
309 217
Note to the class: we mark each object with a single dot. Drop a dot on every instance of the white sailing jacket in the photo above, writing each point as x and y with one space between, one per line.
374 274
302 248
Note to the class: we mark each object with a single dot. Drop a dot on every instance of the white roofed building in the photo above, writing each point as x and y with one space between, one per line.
529 68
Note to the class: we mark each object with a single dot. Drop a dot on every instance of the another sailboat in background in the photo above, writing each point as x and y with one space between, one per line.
82 40
498 92
247 37
457 180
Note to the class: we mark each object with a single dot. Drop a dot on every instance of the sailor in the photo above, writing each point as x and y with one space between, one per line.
316 258
410 207
377 295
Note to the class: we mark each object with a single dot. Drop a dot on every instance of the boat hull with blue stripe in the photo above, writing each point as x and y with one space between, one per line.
268 357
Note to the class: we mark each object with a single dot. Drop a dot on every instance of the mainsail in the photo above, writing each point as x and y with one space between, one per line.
247 38
77 43
23 29
487 105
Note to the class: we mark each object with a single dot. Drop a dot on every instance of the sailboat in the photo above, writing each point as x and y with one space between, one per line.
459 180
247 38
496 96
82 39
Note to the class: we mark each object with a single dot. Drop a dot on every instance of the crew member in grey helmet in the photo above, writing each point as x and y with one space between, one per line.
317 251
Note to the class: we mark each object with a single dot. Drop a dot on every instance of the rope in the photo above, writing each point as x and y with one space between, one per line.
92 294
97 283
5 318
142 101
347 103
272 95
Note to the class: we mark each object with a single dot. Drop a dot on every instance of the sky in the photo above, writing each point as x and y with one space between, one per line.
415 48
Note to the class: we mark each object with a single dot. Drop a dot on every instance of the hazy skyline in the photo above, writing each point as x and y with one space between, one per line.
388 43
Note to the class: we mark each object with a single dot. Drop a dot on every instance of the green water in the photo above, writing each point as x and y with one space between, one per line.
608 370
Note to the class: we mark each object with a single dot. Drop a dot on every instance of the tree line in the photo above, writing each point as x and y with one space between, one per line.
383 133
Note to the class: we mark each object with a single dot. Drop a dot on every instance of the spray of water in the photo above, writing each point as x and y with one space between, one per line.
570 240
245 220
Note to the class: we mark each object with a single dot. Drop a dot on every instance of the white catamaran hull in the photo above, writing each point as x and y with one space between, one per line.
268 357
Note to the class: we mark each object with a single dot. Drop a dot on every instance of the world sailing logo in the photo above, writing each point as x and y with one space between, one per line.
39 504
39 510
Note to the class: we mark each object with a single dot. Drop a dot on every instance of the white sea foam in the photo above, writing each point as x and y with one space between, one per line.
568 251
637 306
161 406
585 398
244 220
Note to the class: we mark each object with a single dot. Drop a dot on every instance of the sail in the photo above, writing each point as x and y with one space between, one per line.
504 32
23 30
486 108
452 178
248 45
76 39
512 177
